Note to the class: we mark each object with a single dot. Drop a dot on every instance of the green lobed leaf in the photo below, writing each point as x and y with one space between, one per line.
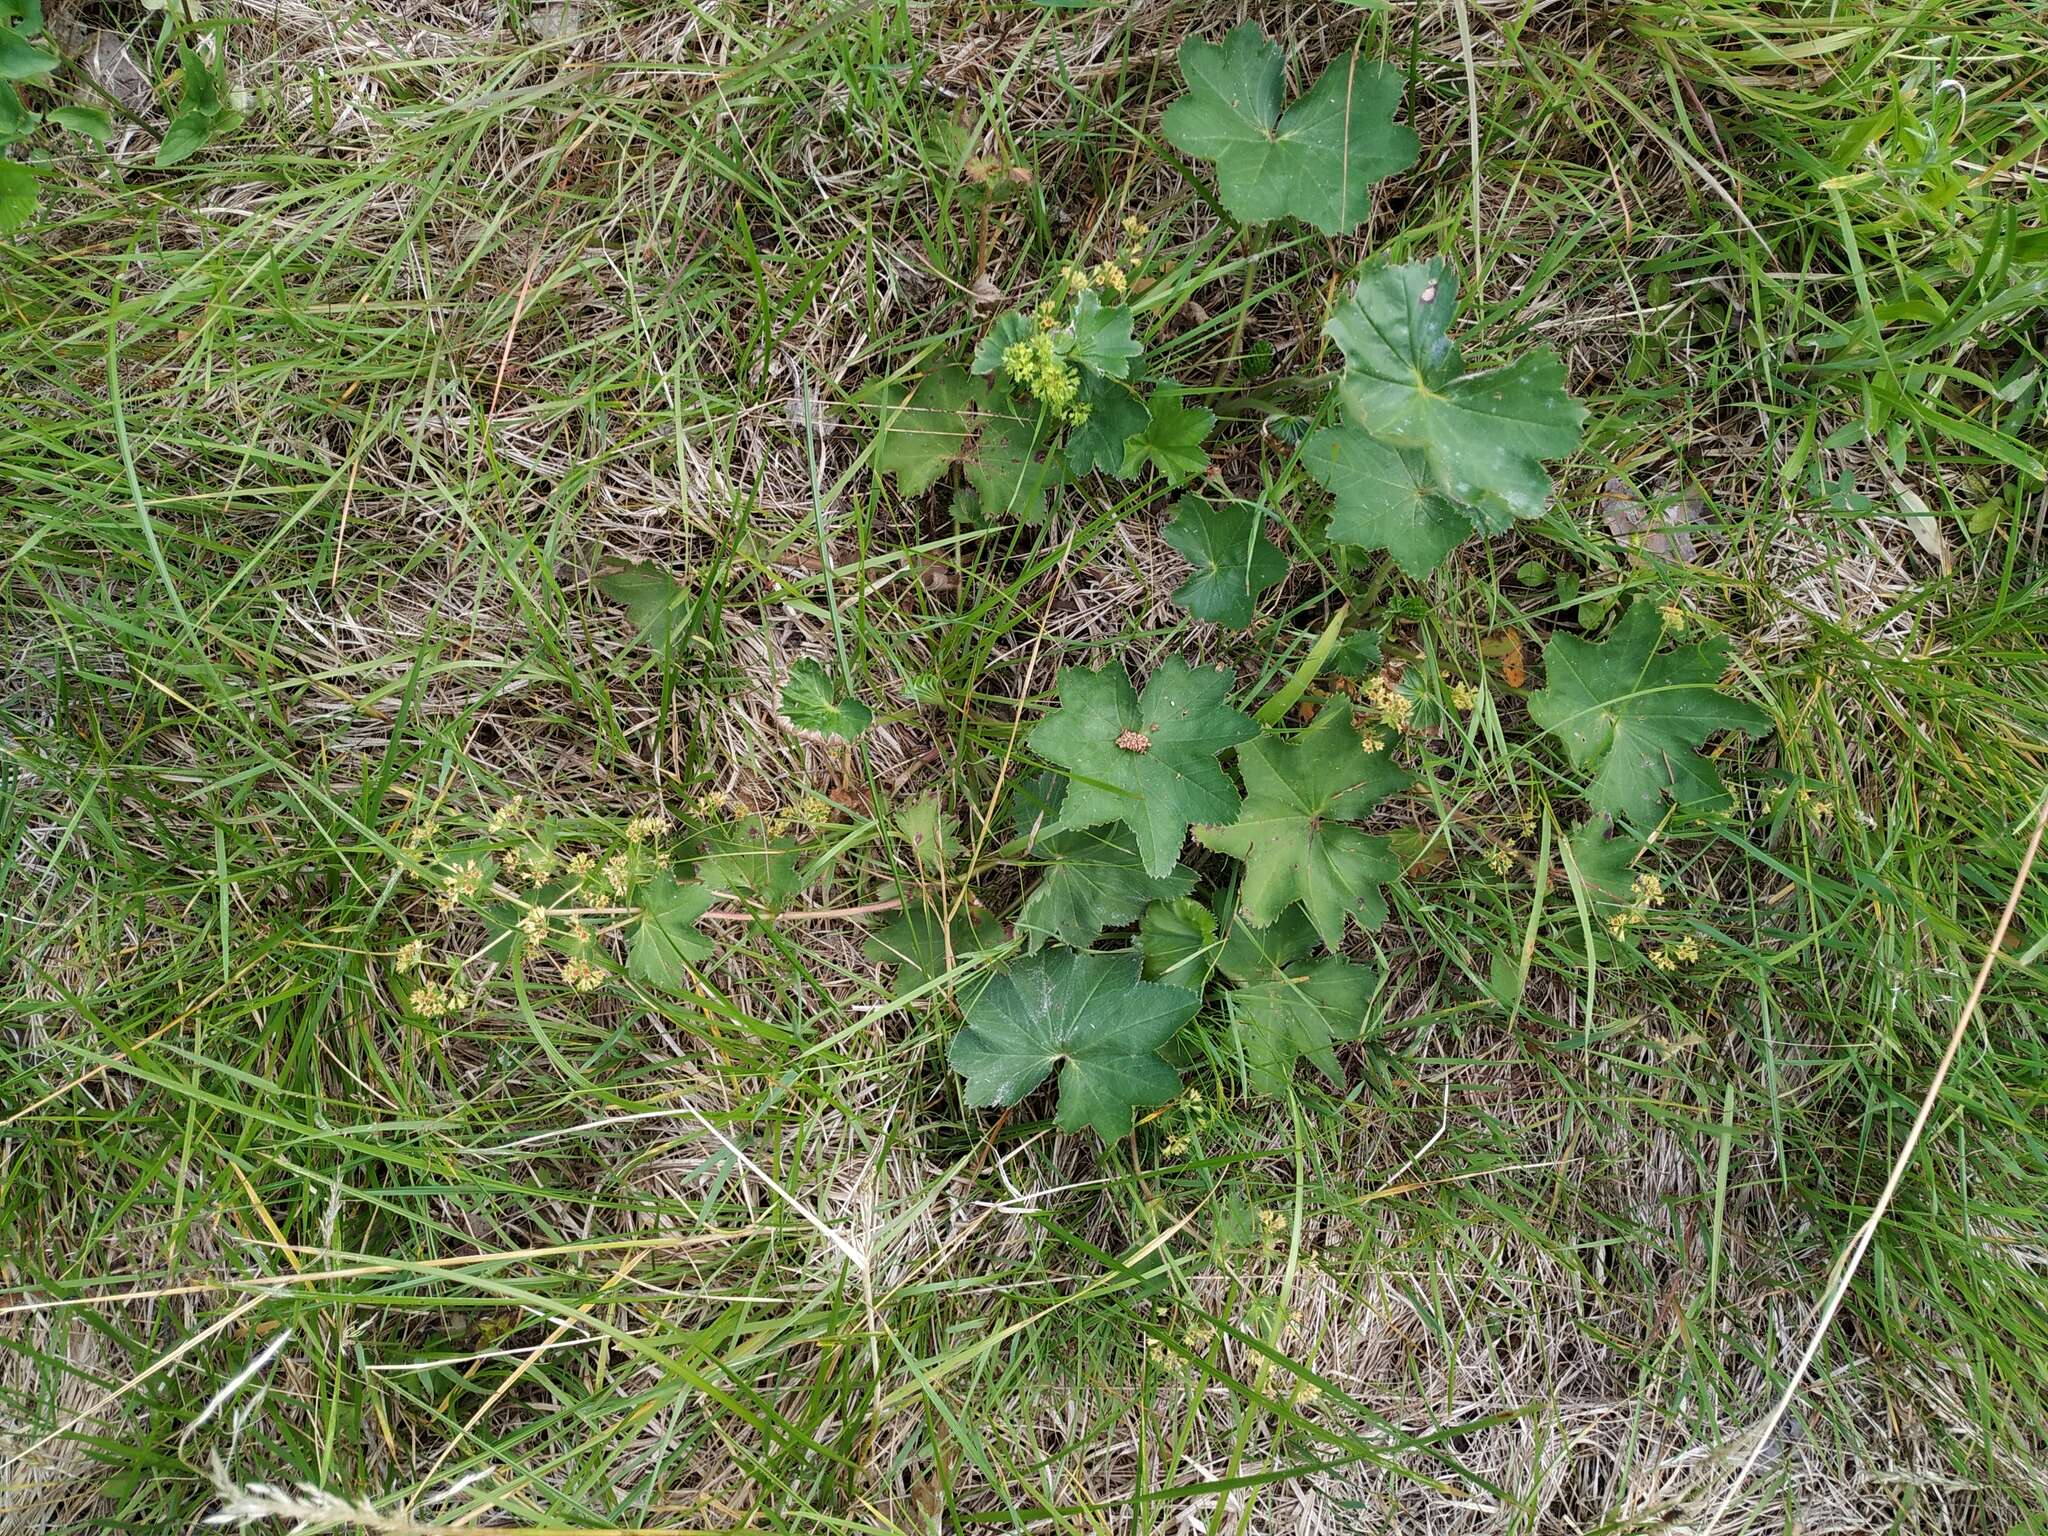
1004 334
1093 879
1605 865
1148 760
813 702
1635 716
1292 833
1360 653
1098 337
1483 435
666 946
658 604
1178 939
1318 161
922 428
924 946
1092 1016
1115 416
1012 465
744 860
1232 558
1287 1007
1171 441
1385 499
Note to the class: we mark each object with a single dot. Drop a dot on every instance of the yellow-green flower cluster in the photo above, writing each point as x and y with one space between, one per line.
1670 957
431 999
1648 891
1036 365
1114 275
1395 708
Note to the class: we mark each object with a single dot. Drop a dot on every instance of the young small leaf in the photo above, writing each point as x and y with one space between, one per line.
1484 435
186 136
1092 1016
812 702
657 603
933 836
1604 865
921 429
923 946
1100 338
1093 879
1292 834
1148 760
17 195
91 122
666 946
1233 561
1171 441
744 860
1385 499
1004 334
1179 942
1360 653
1319 161
1635 716
17 122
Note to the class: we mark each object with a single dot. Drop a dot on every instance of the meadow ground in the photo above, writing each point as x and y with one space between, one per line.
317 450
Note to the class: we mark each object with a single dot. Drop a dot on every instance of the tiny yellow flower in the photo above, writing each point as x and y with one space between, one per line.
1674 618
508 814
1464 699
1500 860
410 955
1110 277
1395 708
643 829
464 882
581 974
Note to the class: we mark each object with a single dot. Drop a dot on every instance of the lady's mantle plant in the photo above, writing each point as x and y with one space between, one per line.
1424 454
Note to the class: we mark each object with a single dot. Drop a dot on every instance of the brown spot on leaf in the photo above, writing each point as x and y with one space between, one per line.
1134 741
